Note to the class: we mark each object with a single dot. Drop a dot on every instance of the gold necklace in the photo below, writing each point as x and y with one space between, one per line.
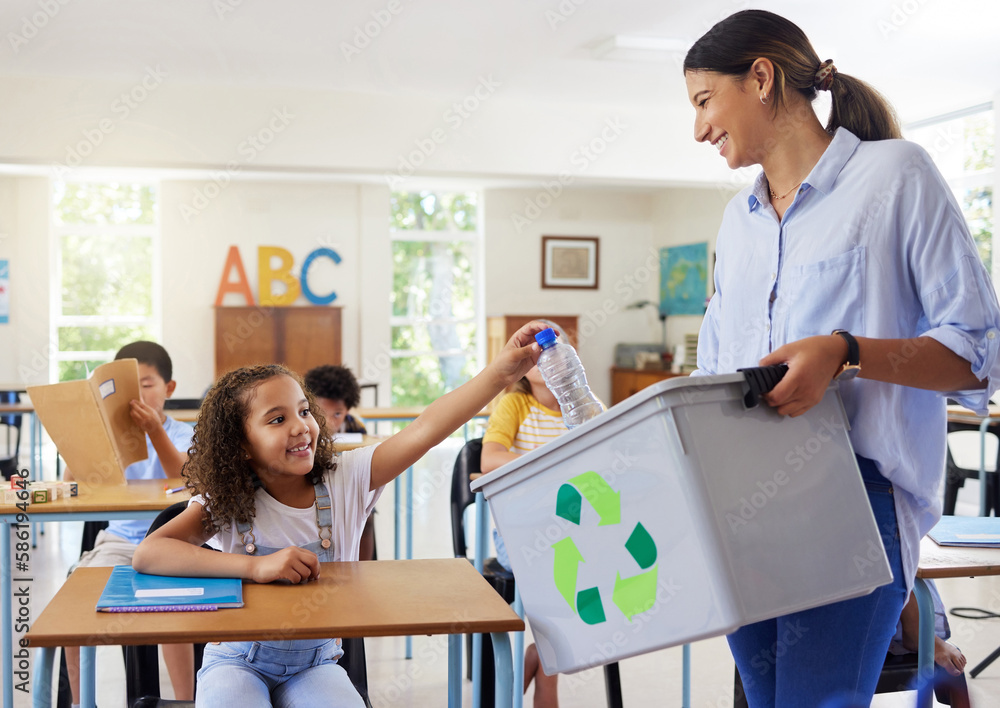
775 197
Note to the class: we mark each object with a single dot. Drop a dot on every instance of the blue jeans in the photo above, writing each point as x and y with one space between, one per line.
254 674
830 655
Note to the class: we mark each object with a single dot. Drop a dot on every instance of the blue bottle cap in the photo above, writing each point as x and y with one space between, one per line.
545 337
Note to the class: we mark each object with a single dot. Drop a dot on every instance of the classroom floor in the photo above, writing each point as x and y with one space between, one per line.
649 680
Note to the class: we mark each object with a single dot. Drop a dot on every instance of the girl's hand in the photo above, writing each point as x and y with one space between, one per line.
293 564
519 354
812 364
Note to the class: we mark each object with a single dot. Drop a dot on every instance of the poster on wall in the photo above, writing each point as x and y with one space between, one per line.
684 279
4 291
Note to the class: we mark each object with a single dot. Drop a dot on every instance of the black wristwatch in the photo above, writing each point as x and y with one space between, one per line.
852 367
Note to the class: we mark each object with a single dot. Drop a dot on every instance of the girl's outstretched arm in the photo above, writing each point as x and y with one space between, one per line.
445 415
175 549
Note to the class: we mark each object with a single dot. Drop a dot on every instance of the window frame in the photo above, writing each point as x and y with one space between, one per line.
57 320
475 237
965 181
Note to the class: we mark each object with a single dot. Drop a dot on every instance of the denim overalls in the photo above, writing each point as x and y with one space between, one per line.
280 665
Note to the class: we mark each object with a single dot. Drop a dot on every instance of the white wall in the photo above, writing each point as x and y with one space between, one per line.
298 216
352 219
56 121
25 242
681 216
629 269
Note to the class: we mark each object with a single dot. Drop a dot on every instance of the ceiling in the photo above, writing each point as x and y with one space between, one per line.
927 57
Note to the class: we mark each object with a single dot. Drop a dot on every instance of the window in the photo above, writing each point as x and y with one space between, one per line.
963 147
436 294
105 289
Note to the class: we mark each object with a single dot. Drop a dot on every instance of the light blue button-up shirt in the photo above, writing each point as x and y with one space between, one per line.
873 243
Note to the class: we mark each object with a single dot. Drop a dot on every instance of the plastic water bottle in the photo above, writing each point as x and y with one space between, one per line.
564 376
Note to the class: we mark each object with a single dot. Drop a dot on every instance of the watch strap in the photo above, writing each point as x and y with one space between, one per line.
853 353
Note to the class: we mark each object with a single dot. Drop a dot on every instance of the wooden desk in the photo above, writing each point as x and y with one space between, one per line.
139 499
184 415
943 562
370 599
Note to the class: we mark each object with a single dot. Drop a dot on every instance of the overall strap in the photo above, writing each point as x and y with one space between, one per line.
247 538
324 515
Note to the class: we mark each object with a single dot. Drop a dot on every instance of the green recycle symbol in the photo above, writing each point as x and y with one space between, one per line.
631 595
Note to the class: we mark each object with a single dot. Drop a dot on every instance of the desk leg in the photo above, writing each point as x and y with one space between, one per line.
482 528
686 676
35 454
8 617
504 675
397 502
925 650
88 677
983 503
455 671
409 539
42 690
518 653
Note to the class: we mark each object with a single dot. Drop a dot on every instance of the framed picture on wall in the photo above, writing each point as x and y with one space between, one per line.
570 262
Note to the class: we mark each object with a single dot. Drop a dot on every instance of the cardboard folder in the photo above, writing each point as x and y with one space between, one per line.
90 423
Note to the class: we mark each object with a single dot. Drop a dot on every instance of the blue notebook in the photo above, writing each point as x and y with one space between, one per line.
980 531
129 591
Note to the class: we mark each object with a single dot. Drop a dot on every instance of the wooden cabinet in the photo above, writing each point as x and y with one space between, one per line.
500 328
298 337
626 382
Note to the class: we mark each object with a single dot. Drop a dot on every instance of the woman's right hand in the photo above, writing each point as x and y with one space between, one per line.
293 564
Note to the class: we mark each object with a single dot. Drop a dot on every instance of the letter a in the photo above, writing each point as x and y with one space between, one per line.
241 286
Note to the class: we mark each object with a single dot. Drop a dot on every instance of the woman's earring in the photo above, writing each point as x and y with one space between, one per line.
763 98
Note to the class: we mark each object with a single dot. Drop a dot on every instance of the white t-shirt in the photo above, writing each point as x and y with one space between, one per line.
279 526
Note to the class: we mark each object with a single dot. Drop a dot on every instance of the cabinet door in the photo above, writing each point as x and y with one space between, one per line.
567 323
245 335
311 337
622 385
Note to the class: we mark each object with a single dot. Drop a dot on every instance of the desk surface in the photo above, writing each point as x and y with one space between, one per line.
137 495
359 599
961 414
956 561
401 413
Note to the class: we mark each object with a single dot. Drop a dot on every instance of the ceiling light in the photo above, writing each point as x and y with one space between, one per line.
627 47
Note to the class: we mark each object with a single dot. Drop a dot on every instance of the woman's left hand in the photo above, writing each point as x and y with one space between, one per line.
812 364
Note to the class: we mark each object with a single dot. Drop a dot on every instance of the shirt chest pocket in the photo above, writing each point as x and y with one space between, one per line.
823 296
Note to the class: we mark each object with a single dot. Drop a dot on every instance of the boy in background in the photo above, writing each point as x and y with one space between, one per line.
167 442
337 392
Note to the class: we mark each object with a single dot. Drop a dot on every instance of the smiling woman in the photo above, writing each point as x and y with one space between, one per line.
847 256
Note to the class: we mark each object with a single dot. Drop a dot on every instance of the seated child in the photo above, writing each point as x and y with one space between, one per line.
167 441
279 501
337 392
523 420
948 659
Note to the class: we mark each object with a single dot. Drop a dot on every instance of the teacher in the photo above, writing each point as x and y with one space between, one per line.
848 259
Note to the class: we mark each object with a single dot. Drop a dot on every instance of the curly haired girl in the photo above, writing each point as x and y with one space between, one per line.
270 490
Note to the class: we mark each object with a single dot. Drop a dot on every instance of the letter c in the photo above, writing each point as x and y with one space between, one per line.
304 278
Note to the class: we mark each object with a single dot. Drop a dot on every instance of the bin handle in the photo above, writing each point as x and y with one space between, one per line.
760 380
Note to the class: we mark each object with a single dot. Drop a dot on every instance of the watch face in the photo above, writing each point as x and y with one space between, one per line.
848 372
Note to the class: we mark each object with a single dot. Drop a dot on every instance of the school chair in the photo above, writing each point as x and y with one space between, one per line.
12 421
962 463
501 579
899 673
